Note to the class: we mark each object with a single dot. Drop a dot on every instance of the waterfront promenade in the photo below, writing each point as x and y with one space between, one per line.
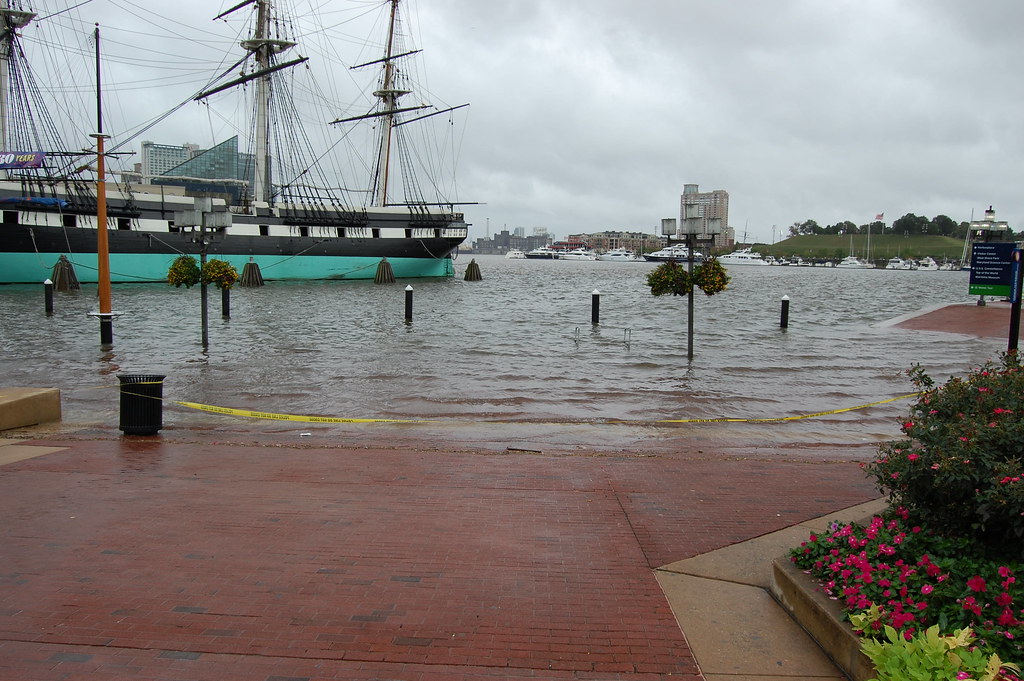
192 555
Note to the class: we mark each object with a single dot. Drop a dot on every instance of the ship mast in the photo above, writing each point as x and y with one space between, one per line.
262 46
10 21
389 96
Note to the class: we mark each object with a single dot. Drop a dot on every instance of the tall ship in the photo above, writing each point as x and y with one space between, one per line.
292 215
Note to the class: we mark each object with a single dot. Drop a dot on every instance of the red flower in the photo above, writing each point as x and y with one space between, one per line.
976 583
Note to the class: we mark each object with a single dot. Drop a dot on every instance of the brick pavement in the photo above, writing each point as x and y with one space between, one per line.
147 559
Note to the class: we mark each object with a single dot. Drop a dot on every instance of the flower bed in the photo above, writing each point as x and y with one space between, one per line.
939 576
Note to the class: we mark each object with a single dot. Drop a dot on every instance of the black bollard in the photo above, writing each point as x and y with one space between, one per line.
225 302
595 307
784 322
408 303
48 294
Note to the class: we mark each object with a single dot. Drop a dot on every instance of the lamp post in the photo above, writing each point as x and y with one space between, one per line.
695 226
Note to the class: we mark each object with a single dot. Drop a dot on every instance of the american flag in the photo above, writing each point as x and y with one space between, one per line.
880 216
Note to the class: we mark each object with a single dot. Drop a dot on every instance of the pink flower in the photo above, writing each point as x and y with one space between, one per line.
976 583
962 675
927 589
912 457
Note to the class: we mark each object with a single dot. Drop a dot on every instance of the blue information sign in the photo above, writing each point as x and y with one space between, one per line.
991 269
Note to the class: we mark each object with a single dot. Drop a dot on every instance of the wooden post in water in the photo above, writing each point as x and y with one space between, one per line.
473 271
384 275
225 303
595 307
784 321
408 303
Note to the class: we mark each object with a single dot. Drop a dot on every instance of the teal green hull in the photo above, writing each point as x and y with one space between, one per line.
148 267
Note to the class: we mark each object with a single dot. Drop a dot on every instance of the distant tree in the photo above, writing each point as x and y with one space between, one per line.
844 227
910 224
942 225
810 227
794 229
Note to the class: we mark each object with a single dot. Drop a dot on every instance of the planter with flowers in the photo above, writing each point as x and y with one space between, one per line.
671 277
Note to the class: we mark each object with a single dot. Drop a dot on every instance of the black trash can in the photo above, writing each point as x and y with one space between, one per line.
142 404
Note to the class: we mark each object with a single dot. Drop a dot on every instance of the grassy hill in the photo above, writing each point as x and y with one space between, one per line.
883 247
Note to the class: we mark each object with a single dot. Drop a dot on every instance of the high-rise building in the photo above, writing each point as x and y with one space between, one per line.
219 171
157 159
705 212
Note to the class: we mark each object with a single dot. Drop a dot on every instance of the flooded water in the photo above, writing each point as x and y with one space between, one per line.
516 348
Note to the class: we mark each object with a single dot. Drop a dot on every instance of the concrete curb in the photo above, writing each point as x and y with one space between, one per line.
28 406
821 617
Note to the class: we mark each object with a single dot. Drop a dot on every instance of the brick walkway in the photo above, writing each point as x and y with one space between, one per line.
155 560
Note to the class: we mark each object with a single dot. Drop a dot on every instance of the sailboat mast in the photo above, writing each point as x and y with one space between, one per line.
389 99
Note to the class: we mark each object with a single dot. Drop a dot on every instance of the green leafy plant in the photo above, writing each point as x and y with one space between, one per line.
220 273
184 271
962 464
929 655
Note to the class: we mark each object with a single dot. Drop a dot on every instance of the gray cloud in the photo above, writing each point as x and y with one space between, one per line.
591 114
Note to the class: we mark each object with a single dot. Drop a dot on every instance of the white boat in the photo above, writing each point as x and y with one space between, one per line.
677 253
543 253
620 255
578 254
928 264
899 264
851 262
514 254
742 257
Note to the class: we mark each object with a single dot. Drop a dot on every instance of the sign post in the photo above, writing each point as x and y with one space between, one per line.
1016 280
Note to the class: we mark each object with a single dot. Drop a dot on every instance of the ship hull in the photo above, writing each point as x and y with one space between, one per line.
143 246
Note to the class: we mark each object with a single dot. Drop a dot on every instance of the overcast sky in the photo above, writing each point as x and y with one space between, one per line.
589 115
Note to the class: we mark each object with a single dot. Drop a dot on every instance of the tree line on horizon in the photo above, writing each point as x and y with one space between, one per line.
940 225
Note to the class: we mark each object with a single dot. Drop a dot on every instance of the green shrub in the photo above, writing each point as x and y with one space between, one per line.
928 656
961 466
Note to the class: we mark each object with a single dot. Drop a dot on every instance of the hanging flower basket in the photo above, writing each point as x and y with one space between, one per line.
221 273
184 272
711 277
668 277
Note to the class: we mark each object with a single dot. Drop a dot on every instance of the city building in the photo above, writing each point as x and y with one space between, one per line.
157 159
706 213
504 241
599 241
221 171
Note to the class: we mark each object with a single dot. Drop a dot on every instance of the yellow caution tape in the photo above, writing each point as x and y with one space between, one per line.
789 418
287 417
332 419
